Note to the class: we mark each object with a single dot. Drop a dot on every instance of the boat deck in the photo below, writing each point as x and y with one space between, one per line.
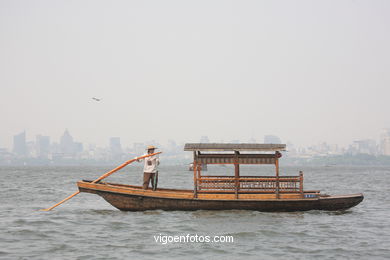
189 194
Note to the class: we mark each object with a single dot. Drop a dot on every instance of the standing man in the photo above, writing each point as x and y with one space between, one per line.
150 169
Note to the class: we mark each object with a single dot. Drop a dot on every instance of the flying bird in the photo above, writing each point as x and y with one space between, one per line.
96 99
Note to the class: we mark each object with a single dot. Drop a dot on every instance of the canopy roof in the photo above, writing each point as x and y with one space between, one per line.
233 147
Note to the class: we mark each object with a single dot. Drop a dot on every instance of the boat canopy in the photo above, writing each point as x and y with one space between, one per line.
207 153
216 147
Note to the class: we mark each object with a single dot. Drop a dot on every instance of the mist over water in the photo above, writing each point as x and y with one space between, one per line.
87 227
232 70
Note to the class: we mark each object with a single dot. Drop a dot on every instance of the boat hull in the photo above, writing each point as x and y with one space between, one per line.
131 198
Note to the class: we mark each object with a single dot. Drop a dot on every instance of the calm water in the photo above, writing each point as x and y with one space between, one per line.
87 227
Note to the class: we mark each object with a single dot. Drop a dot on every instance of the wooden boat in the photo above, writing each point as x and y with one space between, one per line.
260 193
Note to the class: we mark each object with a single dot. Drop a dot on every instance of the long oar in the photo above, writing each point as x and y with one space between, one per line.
101 178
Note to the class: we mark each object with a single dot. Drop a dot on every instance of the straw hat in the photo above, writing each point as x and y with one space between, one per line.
151 147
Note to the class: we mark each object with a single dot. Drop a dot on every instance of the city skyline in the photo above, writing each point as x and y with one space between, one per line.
43 150
6 141
117 146
250 138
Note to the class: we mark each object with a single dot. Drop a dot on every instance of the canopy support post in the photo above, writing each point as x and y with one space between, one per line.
236 172
277 177
301 183
195 166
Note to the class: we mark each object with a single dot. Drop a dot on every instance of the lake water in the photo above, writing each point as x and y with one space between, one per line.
87 227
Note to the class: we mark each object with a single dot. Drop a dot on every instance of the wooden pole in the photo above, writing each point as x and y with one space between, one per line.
236 172
301 183
101 178
195 168
277 177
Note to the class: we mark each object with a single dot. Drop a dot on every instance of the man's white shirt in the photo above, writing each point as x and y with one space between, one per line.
150 164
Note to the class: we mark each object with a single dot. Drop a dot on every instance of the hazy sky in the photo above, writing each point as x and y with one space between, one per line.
307 71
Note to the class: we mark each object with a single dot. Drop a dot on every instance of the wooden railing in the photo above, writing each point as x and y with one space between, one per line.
251 184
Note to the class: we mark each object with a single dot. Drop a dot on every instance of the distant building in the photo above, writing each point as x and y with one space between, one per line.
20 147
115 147
384 145
31 149
78 147
172 147
55 148
69 148
292 150
67 144
43 146
204 139
272 139
321 149
366 146
5 156
334 149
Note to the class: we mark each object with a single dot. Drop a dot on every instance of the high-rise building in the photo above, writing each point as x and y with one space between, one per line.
386 146
20 147
66 143
385 142
43 146
272 139
68 147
